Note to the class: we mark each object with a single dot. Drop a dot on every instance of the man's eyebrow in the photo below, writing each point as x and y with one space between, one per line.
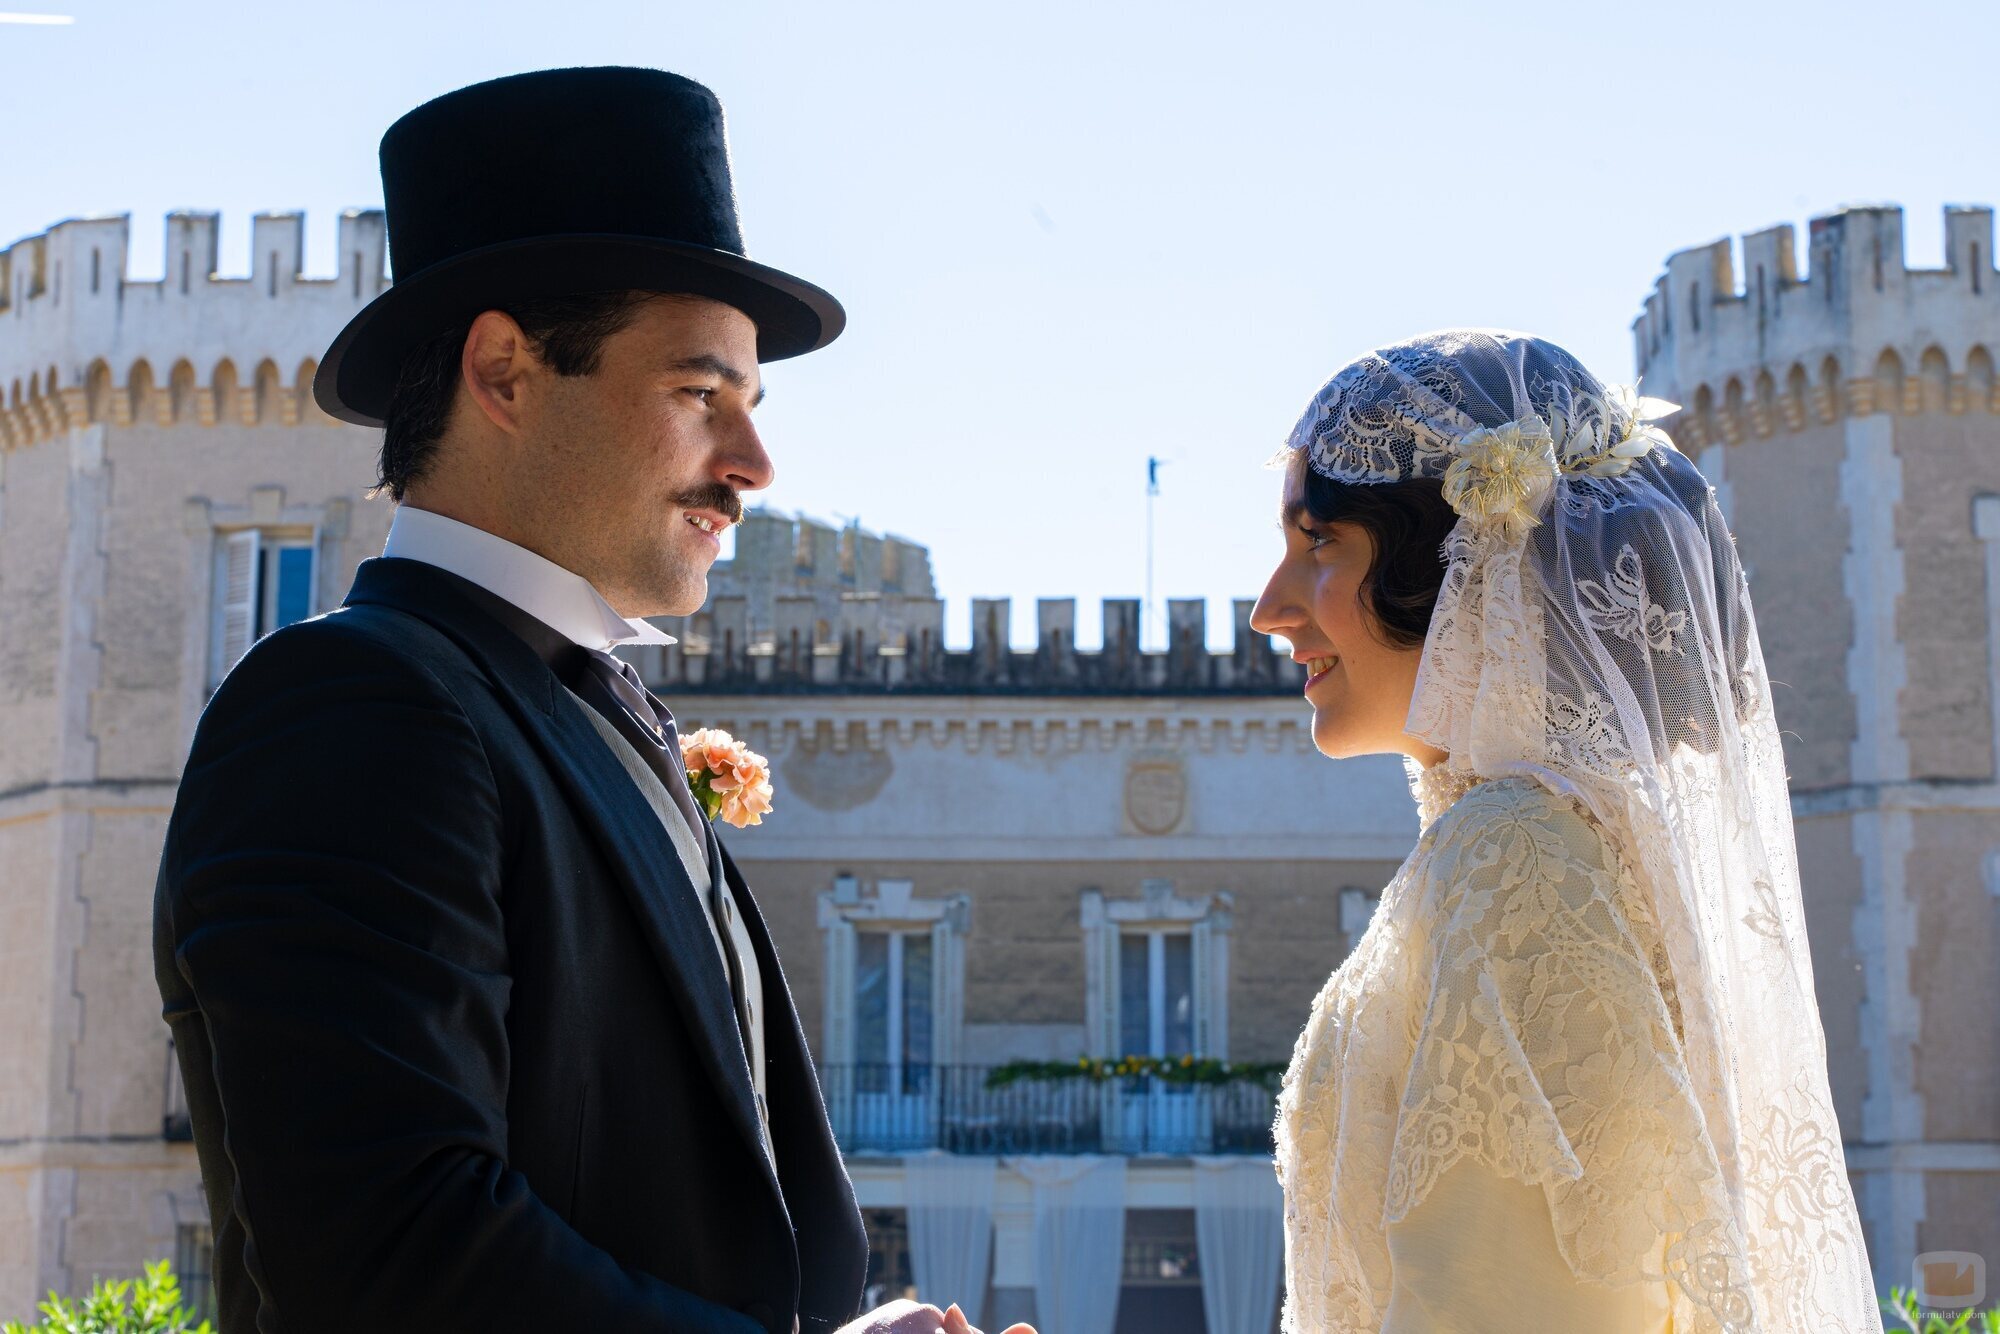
710 364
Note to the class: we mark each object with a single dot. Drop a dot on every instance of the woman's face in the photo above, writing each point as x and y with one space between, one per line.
1359 686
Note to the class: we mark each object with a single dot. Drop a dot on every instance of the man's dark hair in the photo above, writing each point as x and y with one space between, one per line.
1408 522
567 333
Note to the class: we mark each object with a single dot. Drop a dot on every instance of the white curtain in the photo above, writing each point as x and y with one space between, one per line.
951 1228
1239 1232
1079 1241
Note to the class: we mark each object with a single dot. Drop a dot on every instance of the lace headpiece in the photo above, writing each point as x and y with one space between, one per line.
1594 632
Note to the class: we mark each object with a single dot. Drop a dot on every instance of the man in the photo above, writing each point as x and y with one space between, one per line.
480 1025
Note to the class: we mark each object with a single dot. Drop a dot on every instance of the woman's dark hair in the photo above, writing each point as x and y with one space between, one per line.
1408 522
567 332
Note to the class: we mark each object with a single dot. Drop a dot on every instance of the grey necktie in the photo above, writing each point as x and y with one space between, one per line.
610 685
657 738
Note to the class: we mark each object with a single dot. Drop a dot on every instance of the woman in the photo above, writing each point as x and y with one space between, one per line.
1572 1077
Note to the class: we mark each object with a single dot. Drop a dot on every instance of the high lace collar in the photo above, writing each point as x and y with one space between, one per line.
1437 787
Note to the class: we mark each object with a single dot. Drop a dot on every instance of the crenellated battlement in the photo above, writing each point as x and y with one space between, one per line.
782 555
890 642
1861 332
74 330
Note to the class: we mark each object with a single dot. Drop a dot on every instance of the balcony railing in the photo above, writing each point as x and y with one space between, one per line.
906 1109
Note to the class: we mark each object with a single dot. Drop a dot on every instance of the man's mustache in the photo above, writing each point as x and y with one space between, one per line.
713 496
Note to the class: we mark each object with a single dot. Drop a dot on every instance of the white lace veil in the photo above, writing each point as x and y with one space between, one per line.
1594 631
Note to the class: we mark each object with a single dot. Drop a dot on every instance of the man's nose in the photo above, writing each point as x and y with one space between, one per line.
745 464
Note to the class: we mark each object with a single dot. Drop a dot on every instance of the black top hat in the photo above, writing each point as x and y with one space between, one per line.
557 183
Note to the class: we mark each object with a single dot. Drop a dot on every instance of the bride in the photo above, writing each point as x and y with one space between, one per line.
1572 1076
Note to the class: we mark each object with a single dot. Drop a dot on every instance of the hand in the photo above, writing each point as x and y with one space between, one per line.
956 1323
901 1316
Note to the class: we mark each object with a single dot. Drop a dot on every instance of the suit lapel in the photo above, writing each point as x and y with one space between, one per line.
819 1195
606 800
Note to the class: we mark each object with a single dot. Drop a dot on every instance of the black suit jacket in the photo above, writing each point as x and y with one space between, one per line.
458 1048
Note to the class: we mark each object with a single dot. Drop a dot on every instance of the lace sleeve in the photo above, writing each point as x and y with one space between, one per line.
1546 1048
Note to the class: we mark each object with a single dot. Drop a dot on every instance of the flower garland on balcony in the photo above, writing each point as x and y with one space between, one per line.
1167 1069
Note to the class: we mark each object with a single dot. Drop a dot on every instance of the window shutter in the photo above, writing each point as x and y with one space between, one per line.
291 597
236 600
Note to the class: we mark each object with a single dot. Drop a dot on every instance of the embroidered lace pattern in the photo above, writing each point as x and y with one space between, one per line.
1502 1006
1591 973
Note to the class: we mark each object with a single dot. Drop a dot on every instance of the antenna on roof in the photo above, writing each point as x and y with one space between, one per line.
1146 614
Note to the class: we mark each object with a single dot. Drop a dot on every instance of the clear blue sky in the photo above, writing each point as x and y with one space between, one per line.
1069 236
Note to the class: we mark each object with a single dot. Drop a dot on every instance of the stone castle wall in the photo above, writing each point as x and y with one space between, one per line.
142 422
138 421
1849 419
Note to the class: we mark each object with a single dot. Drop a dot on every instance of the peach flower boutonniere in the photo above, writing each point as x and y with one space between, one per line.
731 781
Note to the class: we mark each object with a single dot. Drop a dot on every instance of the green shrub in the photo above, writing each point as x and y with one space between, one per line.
1902 1304
1167 1069
150 1304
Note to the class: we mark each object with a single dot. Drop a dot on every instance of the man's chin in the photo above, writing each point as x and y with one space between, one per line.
682 593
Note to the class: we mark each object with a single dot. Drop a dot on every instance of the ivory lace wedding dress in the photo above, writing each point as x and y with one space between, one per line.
1572 1077
1507 972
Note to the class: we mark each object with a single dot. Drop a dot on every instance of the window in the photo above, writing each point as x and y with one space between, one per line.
892 1011
1357 910
263 580
889 1273
1159 1290
1160 1249
1156 972
194 1266
1156 993
895 1008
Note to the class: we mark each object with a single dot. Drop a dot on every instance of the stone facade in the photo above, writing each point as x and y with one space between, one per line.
118 486
1033 802
1013 811
1850 421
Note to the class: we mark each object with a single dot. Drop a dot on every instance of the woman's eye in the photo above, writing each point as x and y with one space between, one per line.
1315 540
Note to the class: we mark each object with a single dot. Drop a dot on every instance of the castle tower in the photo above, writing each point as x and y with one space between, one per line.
168 491
778 556
1850 422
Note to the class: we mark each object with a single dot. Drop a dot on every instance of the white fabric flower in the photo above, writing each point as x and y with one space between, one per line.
1641 437
1502 475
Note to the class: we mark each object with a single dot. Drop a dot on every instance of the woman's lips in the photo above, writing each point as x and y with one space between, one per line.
1317 669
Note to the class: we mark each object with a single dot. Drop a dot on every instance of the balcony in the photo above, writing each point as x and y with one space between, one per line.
883 1109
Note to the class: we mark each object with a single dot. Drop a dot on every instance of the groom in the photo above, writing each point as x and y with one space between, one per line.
480 1025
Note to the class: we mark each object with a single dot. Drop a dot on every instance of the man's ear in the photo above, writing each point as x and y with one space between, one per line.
496 366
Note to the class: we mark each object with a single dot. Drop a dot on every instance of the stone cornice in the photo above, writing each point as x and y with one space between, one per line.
220 397
1004 725
1763 401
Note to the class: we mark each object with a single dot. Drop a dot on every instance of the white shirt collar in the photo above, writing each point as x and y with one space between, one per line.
558 598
